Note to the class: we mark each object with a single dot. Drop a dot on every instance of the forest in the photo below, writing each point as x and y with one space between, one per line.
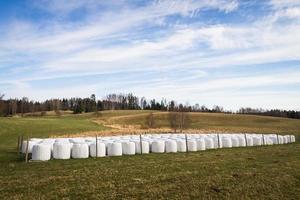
11 107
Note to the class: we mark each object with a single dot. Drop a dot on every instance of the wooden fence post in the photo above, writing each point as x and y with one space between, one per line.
218 141
96 146
263 137
277 139
141 144
186 143
26 155
246 139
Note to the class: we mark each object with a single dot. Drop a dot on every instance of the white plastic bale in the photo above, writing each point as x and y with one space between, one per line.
257 141
274 139
62 140
209 143
41 152
293 138
242 142
226 142
145 147
165 136
80 150
135 137
37 140
30 145
49 141
285 140
192 145
200 144
128 148
171 146
289 138
62 150
181 145
269 141
280 139
101 149
90 141
114 149
158 146
234 141
249 141
76 140
215 141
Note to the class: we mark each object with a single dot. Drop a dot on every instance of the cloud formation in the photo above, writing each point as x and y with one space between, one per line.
182 49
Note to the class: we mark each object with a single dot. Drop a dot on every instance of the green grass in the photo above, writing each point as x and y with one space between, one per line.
10 128
269 172
240 173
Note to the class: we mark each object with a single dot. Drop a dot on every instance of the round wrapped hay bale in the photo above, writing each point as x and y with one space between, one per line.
145 147
128 148
158 146
226 142
49 140
209 143
80 150
200 144
77 140
273 138
257 141
37 140
215 141
41 152
30 145
242 141
234 141
293 138
62 150
249 141
166 136
280 139
289 139
171 146
181 145
285 139
192 145
269 141
114 149
62 140
101 149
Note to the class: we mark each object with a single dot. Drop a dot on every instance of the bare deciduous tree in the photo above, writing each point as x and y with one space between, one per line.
174 120
56 107
150 120
184 120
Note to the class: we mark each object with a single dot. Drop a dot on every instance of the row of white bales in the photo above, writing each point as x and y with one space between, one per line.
84 147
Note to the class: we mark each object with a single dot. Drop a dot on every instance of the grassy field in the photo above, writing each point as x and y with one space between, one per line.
10 128
213 122
271 172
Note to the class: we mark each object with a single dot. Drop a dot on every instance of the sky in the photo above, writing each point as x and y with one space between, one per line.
233 53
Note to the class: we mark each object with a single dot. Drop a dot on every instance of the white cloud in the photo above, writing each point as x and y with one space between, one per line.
279 4
104 43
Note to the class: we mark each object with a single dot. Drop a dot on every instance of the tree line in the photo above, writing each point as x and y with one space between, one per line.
10 107
273 112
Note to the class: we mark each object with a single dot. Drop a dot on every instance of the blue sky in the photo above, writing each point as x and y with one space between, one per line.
212 52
